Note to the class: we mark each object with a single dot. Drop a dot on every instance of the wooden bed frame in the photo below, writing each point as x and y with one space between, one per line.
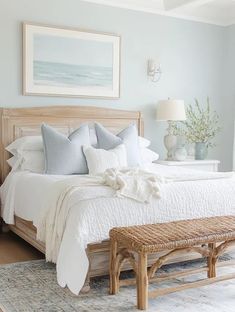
19 122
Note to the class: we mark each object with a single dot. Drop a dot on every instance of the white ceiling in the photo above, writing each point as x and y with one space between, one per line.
219 12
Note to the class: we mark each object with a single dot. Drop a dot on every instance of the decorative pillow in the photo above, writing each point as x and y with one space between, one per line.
26 143
32 161
148 156
98 160
128 137
143 142
64 155
93 138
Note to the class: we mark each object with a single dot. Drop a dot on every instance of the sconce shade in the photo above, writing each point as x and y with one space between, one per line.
171 110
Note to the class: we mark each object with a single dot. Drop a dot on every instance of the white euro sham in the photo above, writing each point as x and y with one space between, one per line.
26 143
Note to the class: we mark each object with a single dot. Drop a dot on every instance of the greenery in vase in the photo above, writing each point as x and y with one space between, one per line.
201 125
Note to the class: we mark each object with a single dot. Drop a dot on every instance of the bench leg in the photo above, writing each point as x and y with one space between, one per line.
113 274
142 282
211 262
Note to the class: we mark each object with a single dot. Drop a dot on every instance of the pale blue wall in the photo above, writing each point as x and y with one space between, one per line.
229 91
191 54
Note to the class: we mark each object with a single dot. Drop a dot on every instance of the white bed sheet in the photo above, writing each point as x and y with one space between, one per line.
91 218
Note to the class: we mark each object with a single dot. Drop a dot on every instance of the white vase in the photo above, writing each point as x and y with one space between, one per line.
191 150
180 153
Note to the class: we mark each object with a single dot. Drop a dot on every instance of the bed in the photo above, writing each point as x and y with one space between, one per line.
16 123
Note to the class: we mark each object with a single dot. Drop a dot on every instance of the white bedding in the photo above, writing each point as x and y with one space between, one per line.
94 210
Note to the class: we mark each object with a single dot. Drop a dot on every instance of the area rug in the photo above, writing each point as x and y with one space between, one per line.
31 286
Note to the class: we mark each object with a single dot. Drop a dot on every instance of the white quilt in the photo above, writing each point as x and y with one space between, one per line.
91 211
137 184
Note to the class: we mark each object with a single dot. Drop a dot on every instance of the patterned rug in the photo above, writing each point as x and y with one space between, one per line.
31 286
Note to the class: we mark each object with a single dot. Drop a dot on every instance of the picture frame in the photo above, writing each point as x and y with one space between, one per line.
70 62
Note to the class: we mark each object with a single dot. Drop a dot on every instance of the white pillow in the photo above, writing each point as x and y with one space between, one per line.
14 162
35 143
148 156
98 160
32 161
26 143
143 142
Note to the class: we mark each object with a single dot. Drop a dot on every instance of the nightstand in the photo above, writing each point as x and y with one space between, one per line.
205 165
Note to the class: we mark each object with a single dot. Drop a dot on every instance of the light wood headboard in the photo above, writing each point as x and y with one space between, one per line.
18 122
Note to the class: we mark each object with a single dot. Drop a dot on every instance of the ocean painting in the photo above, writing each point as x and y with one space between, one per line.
67 75
70 62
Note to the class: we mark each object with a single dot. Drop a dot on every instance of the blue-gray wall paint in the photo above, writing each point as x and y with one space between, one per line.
192 56
228 97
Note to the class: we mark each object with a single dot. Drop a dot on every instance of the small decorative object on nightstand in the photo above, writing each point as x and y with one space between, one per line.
180 152
170 111
205 165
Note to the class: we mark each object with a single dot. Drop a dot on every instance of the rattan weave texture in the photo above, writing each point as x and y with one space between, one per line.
178 234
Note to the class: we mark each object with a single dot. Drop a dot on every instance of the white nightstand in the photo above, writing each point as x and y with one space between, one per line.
206 165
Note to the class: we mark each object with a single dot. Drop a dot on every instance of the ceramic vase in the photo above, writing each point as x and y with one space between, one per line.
200 151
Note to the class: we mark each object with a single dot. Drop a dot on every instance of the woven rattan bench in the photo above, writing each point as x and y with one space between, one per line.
209 237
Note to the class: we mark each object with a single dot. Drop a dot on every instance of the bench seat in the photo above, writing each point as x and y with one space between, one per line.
210 237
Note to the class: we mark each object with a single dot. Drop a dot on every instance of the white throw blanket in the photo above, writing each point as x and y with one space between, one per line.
136 184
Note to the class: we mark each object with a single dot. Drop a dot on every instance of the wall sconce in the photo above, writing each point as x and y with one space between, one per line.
154 70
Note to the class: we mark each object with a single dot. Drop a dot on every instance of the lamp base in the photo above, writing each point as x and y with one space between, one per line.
170 142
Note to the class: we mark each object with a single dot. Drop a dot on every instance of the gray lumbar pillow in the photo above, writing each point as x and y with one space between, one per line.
64 155
128 137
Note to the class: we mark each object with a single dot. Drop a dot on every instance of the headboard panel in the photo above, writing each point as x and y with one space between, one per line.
18 122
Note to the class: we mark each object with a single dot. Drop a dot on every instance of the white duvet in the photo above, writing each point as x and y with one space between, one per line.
93 210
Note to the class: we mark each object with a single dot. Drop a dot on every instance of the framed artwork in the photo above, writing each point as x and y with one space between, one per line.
70 62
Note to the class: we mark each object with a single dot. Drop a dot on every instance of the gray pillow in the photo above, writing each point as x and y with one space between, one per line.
64 155
128 137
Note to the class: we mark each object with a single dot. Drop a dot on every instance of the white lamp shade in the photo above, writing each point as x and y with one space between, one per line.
171 110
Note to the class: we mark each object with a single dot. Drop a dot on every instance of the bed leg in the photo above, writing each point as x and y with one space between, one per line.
86 287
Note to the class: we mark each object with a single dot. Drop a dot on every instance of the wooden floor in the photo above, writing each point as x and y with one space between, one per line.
14 249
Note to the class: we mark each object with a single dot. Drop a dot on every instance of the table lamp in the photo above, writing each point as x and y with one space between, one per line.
170 111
